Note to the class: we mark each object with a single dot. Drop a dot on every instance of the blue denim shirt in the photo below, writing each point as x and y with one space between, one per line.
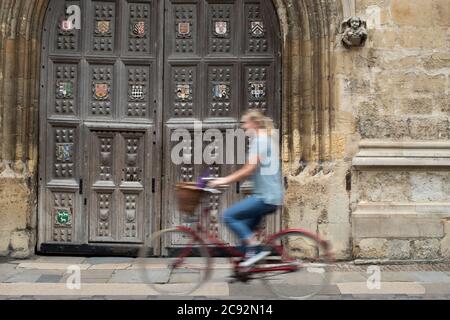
267 183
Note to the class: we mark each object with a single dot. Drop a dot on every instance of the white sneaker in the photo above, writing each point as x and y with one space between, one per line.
253 259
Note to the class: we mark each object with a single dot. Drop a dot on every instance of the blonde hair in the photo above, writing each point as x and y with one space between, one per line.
260 119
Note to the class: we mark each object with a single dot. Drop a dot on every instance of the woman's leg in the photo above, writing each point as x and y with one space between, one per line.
243 217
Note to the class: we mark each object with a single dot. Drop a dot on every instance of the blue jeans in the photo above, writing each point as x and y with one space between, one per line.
243 217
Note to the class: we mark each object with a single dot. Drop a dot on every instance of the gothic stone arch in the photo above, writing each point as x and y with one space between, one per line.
309 37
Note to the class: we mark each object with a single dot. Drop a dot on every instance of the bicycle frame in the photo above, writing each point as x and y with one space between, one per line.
213 240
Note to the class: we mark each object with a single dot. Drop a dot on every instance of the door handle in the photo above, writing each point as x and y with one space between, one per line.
153 185
81 186
238 187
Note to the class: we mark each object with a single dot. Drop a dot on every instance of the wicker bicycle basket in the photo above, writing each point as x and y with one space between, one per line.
188 196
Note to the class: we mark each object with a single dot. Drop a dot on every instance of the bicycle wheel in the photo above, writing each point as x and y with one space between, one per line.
185 266
302 264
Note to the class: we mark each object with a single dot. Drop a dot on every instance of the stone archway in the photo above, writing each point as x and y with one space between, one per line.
309 33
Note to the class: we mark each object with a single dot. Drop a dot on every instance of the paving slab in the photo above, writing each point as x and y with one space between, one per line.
96 273
100 289
49 278
401 276
109 260
339 277
437 288
252 289
60 259
7 270
134 276
356 288
430 277
23 277
110 266
50 266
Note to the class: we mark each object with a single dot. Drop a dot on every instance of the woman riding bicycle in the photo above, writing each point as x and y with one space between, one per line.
263 165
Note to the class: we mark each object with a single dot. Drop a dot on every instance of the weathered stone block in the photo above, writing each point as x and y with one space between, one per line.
380 127
371 249
412 13
375 186
413 106
396 226
438 60
13 204
20 244
422 38
445 242
443 103
426 249
429 128
4 243
398 249
339 235
442 12
385 38
426 186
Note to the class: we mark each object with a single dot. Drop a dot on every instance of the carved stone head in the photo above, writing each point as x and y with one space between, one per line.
354 32
355 23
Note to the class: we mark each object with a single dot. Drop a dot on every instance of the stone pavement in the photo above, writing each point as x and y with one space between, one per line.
44 277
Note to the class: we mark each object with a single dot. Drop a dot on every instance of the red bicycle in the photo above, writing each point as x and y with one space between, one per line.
297 268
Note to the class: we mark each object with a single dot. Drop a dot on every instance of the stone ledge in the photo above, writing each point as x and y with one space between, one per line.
379 153
433 209
363 262
399 221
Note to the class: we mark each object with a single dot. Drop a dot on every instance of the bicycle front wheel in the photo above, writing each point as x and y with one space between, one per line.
299 266
184 267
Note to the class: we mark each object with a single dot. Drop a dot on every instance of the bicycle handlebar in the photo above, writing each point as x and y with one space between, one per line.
214 190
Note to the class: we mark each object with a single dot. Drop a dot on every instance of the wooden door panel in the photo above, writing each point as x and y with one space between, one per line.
138 95
102 26
118 171
221 58
100 116
222 28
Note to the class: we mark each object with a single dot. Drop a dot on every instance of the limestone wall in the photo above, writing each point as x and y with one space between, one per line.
398 88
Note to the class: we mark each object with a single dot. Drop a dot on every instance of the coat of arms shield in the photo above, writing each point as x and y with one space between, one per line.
64 152
257 89
184 28
221 91
139 29
103 27
101 91
66 25
64 90
257 28
221 28
184 91
137 92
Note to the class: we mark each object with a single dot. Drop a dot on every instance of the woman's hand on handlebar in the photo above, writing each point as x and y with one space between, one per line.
217 182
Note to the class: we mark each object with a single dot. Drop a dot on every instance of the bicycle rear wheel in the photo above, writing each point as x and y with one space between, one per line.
303 262
183 269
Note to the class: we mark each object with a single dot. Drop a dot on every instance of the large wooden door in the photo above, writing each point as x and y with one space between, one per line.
221 58
113 92
100 125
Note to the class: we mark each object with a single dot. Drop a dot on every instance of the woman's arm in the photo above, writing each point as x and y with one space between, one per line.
244 172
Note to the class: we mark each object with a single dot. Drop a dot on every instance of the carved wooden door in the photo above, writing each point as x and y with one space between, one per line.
221 58
100 101
114 91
